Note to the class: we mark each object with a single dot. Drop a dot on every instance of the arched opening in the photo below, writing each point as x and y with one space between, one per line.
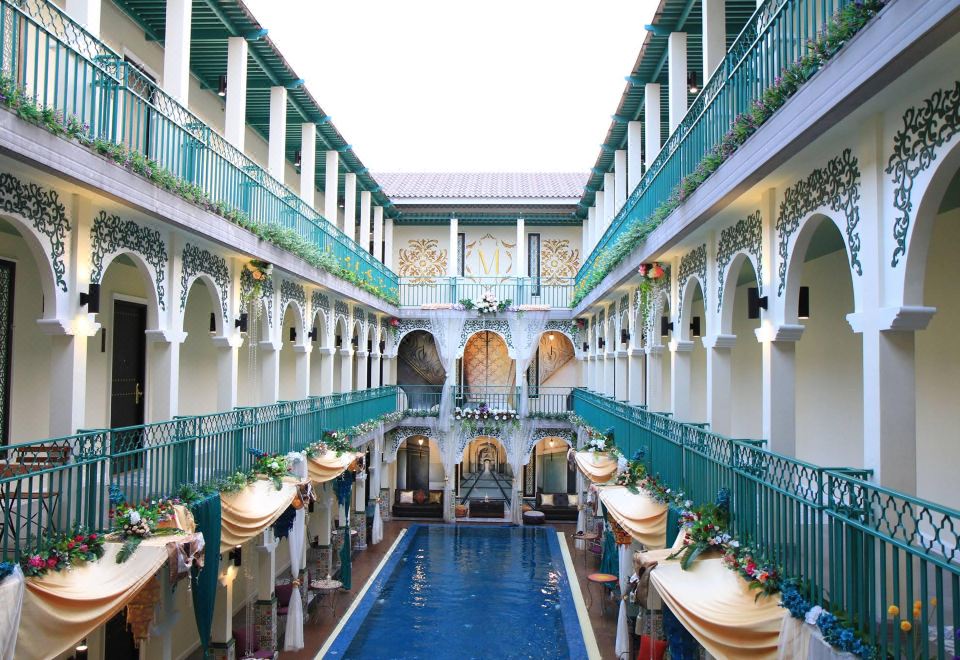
485 478
693 327
659 398
292 341
248 355
202 320
341 362
119 380
486 373
549 473
746 356
320 341
829 371
420 373
419 478
552 374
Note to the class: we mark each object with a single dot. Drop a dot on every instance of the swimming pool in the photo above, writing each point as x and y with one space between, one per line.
460 591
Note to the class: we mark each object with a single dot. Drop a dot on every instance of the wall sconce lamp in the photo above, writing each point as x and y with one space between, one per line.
586 347
755 302
383 346
692 85
92 298
601 343
293 335
420 441
222 86
624 335
666 326
241 323
695 326
297 159
80 653
213 323
338 341
355 341
803 303
236 556
313 334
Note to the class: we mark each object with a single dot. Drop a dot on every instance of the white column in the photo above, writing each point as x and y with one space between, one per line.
346 367
378 233
635 376
227 371
68 378
361 383
331 173
176 49
86 13
266 565
221 631
363 236
651 120
521 249
634 156
585 232
163 379
235 117
388 243
452 248
680 379
301 357
619 179
375 380
276 159
609 372
620 375
677 77
327 356
609 199
780 387
269 356
308 163
350 204
714 36
719 381
599 219
655 394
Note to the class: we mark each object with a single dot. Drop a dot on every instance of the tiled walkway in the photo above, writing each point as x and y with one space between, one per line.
364 563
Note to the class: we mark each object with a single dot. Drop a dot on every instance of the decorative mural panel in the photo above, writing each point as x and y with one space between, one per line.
486 361
654 306
558 260
247 285
418 362
563 327
409 325
319 300
555 352
402 433
692 263
198 261
836 186
499 326
925 128
423 260
489 256
745 236
43 209
342 311
292 291
110 234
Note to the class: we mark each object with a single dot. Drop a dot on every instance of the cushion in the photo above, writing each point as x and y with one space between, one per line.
419 497
573 500
435 497
560 499
651 650
283 591
406 497
546 499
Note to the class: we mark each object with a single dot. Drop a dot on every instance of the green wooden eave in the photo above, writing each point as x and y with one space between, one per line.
212 23
488 218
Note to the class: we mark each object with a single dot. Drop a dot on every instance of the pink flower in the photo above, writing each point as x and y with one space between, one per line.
52 562
35 561
84 547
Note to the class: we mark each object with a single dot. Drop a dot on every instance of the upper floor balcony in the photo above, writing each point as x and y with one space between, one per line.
513 292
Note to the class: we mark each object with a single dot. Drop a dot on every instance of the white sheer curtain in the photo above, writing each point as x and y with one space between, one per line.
622 645
293 637
11 605
446 326
525 328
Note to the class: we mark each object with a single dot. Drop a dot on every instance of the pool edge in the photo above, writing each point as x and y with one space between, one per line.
359 597
586 628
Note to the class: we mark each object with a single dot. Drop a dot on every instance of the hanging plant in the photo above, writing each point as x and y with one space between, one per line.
260 273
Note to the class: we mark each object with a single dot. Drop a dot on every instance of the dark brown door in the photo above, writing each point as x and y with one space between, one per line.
128 381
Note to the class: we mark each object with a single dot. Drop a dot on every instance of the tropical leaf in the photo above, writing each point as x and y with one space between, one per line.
130 544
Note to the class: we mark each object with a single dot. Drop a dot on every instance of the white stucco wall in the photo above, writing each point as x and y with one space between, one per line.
198 355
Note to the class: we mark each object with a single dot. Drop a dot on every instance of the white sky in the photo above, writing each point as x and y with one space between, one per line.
452 85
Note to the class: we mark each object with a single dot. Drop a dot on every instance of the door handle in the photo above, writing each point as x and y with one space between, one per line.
137 393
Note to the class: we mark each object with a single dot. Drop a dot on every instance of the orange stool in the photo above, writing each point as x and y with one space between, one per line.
602 579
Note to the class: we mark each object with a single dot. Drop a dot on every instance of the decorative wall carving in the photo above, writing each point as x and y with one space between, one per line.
110 234
422 260
836 186
196 261
558 260
43 209
290 291
745 236
319 300
487 362
925 128
500 326
692 263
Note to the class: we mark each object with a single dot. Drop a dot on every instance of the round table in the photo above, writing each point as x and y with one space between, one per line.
603 579
587 539
327 589
533 517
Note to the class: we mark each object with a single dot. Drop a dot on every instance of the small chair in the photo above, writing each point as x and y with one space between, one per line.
283 592
596 546
240 646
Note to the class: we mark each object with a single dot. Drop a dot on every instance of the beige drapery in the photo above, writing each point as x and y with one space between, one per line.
639 515
720 610
250 511
597 467
328 466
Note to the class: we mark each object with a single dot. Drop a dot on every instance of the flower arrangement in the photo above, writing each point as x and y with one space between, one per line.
339 441
63 552
652 271
750 564
273 466
634 474
132 524
484 413
486 304
912 641
834 630
704 527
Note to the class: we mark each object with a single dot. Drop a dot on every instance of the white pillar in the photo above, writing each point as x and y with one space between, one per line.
308 162
227 372
620 388
235 117
266 565
221 631
635 376
609 199
163 379
176 50
269 356
346 367
350 204
331 173
680 353
276 159
634 156
714 36
651 120
677 77
388 243
521 249
599 219
86 13
363 236
609 372
327 356
585 232
375 380
452 248
719 381
780 387
619 179
361 383
68 383
301 357
655 393
378 233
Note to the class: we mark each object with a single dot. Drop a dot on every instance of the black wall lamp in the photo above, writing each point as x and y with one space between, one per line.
755 302
213 323
293 335
241 323
313 334
666 326
338 341
222 86
383 346
803 303
695 326
624 335
355 341
586 347
92 298
236 556
692 85
297 159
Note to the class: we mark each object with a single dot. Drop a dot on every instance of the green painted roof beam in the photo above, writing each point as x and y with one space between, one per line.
296 84
636 81
256 35
658 30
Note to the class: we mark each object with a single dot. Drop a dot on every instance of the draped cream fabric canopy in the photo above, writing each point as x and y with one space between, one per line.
60 609
250 511
328 466
597 467
720 610
642 517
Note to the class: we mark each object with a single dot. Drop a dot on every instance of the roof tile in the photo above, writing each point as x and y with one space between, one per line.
479 185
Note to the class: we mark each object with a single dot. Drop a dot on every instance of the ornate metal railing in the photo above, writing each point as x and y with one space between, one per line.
51 485
549 291
67 69
857 547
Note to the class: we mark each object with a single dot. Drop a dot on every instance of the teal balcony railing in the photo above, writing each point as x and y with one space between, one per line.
774 37
857 547
550 291
419 397
494 396
550 400
69 70
51 485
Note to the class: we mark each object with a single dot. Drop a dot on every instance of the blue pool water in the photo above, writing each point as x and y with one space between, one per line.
451 591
